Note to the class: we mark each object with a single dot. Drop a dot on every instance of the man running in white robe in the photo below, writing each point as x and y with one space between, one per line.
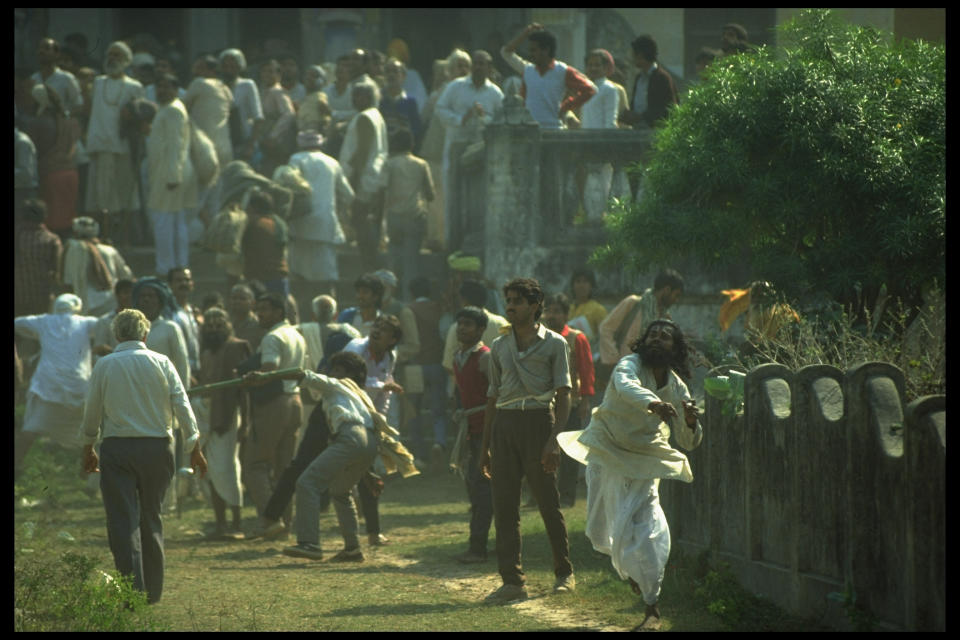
627 452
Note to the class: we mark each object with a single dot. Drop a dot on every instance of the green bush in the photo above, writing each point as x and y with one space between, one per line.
819 165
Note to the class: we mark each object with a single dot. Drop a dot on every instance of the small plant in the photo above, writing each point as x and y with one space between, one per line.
861 619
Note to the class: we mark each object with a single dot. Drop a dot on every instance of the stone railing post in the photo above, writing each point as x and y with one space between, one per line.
511 227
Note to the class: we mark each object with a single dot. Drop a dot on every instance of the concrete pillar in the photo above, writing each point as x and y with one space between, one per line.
511 232
925 447
877 506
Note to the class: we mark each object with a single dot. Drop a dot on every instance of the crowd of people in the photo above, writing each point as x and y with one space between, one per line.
288 411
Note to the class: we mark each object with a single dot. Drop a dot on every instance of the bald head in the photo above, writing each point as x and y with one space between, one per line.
324 309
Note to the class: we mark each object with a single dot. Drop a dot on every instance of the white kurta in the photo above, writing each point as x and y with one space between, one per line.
222 452
168 160
627 452
327 183
369 182
208 100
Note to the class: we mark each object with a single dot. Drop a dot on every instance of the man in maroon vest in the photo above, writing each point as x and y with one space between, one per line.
470 371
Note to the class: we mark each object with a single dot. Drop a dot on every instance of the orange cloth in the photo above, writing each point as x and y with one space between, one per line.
739 301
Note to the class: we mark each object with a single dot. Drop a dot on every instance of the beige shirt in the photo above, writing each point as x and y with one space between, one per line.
528 379
610 352
208 100
286 348
623 437
136 393
408 183
168 160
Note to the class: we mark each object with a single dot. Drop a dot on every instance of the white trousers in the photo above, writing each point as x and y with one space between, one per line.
171 239
625 521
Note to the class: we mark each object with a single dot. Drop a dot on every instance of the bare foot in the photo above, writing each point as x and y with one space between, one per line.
651 621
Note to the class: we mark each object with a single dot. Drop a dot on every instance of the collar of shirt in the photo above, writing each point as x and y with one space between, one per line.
541 335
373 358
543 70
422 299
648 73
282 323
467 353
130 345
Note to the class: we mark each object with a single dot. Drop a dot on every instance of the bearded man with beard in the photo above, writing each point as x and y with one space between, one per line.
222 417
627 452
111 181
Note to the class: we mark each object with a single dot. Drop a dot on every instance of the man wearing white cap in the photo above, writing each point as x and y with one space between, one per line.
246 98
59 384
111 179
315 236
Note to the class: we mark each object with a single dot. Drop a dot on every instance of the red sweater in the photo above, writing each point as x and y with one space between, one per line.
472 383
584 362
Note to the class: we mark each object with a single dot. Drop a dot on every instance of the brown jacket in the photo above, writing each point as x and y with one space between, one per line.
220 365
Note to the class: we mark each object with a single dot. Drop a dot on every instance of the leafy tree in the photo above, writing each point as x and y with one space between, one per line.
819 165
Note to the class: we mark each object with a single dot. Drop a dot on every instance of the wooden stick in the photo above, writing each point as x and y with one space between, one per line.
226 384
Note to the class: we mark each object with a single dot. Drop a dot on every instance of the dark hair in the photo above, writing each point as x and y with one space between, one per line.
679 355
736 28
391 321
473 314
646 46
473 292
261 201
401 140
169 77
668 278
352 363
559 299
545 40
123 284
211 300
529 289
420 287
372 283
174 272
584 272
275 300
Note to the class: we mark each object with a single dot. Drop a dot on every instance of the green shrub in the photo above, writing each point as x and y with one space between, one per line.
818 165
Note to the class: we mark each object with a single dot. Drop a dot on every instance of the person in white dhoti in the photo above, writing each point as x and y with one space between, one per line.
172 188
627 452
59 384
111 182
221 417
316 236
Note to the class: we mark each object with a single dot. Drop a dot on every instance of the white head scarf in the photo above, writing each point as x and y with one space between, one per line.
67 303
127 53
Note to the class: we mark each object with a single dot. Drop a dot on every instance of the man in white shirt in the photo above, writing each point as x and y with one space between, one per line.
465 107
246 97
362 157
378 351
599 112
60 80
133 398
314 237
352 449
59 384
111 185
275 419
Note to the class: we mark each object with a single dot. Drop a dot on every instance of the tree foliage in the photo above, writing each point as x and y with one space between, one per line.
820 165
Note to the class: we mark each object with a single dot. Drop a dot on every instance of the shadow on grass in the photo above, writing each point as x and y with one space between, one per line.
401 609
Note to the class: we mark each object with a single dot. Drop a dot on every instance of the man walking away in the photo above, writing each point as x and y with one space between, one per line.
133 397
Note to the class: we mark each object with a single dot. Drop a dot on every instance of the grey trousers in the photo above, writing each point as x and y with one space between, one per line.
134 475
338 469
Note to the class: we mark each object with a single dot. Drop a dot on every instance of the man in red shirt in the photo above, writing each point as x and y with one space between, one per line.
555 314
470 372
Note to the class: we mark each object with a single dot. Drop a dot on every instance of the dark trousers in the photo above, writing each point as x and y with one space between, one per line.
481 499
314 441
370 506
134 475
516 446
569 468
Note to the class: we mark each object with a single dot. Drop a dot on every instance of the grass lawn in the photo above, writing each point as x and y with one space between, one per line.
414 584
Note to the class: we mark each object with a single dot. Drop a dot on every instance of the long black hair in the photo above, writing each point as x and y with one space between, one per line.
678 360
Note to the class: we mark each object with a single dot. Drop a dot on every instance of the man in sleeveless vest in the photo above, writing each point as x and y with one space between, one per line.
551 88
470 371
